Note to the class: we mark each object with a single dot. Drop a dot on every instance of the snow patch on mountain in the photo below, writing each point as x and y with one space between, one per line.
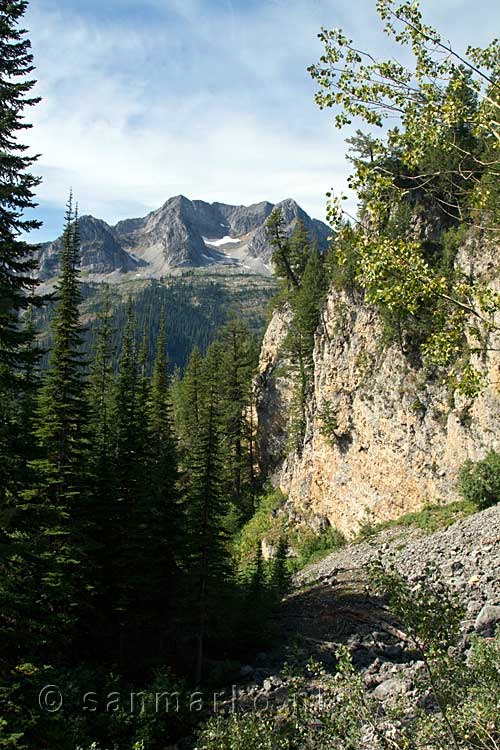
223 241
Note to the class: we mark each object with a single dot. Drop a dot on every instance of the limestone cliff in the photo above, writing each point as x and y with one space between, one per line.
382 437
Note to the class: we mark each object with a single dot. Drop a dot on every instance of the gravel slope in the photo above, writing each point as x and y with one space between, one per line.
466 554
332 604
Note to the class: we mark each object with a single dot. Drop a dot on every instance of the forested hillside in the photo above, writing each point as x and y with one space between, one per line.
148 551
192 306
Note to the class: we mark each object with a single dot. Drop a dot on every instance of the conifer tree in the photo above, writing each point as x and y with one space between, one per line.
257 597
188 401
258 581
17 263
17 409
62 406
28 381
161 424
144 380
309 299
306 304
207 505
131 521
163 527
18 524
101 383
52 521
236 380
250 422
128 478
100 521
275 228
280 575
128 421
300 245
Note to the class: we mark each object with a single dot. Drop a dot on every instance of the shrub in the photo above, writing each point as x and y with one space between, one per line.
431 518
328 422
479 482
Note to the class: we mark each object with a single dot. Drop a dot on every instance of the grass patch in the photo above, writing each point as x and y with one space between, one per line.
266 523
271 523
311 548
431 518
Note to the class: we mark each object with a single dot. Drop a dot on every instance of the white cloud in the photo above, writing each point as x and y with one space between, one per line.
214 103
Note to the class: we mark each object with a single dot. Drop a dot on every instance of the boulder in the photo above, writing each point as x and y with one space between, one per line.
487 619
390 688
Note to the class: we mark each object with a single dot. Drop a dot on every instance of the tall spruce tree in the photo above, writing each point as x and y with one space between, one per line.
207 506
128 474
129 419
161 425
238 366
188 396
17 263
163 523
129 579
144 379
101 381
62 408
51 517
100 521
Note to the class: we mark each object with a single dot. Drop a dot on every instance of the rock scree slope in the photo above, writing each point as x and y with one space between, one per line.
332 605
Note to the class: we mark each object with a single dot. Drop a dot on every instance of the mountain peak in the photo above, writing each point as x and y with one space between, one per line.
177 200
182 233
288 203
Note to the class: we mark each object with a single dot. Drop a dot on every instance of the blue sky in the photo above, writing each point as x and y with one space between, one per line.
209 98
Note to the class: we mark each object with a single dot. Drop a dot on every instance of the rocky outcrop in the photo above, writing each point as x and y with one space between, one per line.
383 437
100 251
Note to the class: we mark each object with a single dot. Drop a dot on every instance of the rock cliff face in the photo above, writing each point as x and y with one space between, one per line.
382 437
100 251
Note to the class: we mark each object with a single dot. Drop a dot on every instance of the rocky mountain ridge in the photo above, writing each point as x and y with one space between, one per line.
180 234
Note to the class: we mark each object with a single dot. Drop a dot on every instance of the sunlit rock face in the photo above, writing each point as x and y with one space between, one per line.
383 437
